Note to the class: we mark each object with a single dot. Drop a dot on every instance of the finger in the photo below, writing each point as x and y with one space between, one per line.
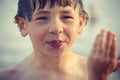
108 43
103 38
113 49
101 42
118 64
95 44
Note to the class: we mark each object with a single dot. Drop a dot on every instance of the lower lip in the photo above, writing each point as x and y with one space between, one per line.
57 45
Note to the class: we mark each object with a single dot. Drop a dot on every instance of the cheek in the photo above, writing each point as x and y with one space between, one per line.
75 27
74 30
72 33
36 35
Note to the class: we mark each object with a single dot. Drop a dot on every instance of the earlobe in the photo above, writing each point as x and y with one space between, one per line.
21 25
81 24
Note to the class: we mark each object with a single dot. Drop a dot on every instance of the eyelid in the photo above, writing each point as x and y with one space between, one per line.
67 17
42 18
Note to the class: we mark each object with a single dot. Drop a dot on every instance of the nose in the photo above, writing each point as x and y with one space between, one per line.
56 27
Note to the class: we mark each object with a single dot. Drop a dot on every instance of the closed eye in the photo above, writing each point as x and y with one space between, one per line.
42 18
67 17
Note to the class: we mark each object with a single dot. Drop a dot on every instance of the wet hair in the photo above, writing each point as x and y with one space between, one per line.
27 7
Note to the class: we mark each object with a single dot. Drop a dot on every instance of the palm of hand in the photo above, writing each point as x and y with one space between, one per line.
102 59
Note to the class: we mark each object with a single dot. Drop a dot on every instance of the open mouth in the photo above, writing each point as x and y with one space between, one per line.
56 43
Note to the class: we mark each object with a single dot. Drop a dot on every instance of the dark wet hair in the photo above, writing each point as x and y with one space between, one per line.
27 7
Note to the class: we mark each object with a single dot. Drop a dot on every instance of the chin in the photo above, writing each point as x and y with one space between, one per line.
56 56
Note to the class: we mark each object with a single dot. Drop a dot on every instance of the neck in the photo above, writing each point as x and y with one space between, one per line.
53 64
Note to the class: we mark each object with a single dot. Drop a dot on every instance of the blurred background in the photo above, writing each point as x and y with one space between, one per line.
103 14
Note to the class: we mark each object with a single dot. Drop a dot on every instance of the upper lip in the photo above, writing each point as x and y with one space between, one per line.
56 41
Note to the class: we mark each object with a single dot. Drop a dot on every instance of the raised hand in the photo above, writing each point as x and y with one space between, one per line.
102 58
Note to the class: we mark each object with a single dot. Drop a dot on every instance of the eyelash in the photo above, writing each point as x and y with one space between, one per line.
42 18
67 17
46 18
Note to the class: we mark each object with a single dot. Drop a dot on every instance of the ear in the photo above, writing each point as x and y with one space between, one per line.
21 25
82 22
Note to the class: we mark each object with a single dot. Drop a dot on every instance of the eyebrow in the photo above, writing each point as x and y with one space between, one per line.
65 11
42 12
48 12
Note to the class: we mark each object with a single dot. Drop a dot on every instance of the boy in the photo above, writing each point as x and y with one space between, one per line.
53 26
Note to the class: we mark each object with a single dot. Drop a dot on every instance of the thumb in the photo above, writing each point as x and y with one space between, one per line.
118 64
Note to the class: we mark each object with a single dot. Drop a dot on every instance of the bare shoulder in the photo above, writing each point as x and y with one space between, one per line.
82 66
15 72
6 74
81 59
81 62
12 73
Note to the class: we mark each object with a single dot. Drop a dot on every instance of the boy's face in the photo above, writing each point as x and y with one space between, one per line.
53 30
